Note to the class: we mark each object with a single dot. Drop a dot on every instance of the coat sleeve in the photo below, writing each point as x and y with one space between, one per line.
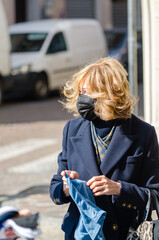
136 196
56 186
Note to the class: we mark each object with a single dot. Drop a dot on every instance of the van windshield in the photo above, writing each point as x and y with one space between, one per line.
27 42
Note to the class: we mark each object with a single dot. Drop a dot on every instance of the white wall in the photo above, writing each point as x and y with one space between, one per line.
9 6
104 13
150 21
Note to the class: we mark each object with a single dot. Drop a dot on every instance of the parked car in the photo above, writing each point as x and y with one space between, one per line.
46 53
117 41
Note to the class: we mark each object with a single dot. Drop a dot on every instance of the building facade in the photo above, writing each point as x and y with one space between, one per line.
111 13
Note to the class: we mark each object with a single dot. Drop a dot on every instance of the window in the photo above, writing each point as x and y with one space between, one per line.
27 42
57 44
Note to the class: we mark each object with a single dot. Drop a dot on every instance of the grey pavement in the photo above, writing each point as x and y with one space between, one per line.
30 140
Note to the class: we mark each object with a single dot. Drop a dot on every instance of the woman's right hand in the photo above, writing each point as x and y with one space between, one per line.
72 175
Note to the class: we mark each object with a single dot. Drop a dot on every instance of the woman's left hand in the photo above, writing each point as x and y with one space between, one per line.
101 185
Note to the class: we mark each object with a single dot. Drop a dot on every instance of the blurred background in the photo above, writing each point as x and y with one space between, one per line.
111 13
41 46
30 39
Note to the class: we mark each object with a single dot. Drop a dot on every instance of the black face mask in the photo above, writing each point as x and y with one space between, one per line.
85 106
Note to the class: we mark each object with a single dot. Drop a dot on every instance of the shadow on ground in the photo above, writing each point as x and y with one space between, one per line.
41 189
27 110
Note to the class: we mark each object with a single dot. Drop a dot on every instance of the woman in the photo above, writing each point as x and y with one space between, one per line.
115 152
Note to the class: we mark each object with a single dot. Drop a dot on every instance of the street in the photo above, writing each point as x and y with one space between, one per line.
30 140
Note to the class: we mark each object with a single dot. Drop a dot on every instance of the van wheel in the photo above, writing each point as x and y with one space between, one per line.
41 90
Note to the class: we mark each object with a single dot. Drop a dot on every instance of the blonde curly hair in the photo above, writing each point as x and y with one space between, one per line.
108 85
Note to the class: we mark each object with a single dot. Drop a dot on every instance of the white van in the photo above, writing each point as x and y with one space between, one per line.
4 47
46 53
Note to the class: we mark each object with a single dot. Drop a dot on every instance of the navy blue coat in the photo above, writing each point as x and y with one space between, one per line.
132 158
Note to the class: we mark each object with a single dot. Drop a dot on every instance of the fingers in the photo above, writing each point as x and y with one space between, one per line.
66 189
72 174
96 179
101 185
97 184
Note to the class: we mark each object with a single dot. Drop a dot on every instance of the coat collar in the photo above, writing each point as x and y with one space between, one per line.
121 141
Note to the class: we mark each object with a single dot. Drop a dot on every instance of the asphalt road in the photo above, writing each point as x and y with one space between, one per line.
30 140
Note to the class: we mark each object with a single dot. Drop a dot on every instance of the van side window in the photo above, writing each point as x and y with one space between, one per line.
57 44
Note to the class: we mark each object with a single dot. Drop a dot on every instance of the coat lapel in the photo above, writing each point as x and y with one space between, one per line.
119 145
84 147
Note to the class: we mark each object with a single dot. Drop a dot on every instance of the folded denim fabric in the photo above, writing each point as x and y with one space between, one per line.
91 216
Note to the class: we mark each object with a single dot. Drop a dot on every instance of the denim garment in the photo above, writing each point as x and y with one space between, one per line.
91 216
